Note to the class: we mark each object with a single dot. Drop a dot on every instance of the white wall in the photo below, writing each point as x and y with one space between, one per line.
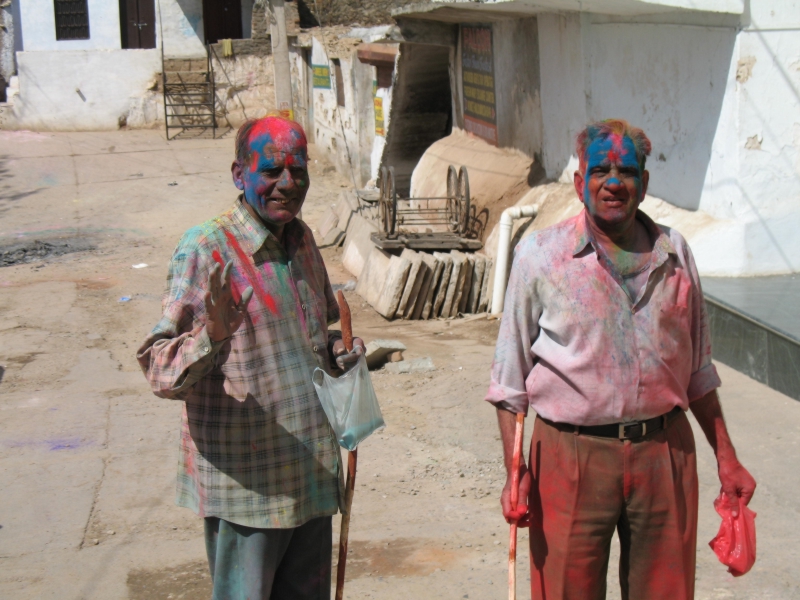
728 147
352 159
112 83
39 26
182 27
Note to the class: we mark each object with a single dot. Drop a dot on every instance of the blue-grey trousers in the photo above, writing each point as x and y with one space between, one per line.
269 564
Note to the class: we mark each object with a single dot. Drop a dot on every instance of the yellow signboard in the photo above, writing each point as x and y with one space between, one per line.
379 128
322 76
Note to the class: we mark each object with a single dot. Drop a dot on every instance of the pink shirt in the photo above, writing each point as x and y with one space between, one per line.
574 347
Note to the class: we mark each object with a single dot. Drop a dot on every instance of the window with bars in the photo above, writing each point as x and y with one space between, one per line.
72 19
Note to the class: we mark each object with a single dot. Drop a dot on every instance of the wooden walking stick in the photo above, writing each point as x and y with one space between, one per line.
352 460
512 540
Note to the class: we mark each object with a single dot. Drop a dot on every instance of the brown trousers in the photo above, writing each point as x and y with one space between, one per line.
586 487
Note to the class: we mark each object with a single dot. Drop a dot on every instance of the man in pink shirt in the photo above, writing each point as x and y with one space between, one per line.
605 335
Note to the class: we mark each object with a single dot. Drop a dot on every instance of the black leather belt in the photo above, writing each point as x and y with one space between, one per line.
622 431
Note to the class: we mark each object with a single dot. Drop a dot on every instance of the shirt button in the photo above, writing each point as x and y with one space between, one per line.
303 307
316 348
205 349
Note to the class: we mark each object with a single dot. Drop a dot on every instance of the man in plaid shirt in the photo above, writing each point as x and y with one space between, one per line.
244 325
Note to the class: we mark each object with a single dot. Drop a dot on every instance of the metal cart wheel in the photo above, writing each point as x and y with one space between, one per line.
464 199
452 209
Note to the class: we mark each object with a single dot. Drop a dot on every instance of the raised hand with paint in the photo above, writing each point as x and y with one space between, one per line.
224 315
605 335
244 326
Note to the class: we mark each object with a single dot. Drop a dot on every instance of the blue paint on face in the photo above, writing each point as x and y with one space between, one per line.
612 159
275 180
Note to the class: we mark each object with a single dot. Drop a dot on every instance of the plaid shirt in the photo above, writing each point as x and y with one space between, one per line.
256 448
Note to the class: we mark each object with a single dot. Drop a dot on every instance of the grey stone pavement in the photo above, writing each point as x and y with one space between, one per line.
88 455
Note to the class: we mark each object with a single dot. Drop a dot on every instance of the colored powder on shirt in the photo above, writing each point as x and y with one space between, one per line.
252 275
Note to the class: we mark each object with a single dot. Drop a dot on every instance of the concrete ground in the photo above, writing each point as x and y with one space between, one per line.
88 455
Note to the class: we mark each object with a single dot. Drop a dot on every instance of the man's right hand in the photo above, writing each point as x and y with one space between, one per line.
223 315
520 515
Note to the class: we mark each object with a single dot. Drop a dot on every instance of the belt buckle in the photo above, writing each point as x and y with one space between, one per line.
623 435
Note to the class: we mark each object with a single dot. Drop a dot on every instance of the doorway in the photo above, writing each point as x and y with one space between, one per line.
222 19
137 24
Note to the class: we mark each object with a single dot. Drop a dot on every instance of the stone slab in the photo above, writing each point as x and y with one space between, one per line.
329 220
444 282
477 283
393 287
485 303
346 207
334 237
417 365
433 270
358 245
373 276
469 268
415 278
378 351
455 283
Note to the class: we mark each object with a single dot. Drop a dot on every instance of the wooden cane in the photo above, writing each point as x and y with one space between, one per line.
352 460
512 540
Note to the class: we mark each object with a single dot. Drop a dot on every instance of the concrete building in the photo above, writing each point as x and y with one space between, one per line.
99 66
714 83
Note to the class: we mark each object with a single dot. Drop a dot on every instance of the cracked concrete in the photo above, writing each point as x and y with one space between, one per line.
88 453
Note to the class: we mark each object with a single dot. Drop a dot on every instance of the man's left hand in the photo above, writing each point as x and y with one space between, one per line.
346 360
736 483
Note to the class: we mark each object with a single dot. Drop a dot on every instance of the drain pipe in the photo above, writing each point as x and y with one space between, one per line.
503 250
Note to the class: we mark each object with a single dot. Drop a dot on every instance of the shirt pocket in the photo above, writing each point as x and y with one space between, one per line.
673 335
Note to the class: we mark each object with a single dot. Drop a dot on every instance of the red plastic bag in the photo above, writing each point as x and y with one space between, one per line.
735 544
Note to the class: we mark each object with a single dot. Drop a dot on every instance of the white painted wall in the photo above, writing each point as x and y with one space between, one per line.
112 82
729 148
39 26
353 159
181 24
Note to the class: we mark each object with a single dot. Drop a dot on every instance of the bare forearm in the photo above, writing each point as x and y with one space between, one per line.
708 413
506 420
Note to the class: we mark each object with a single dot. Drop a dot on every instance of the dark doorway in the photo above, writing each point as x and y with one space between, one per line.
421 110
222 19
138 23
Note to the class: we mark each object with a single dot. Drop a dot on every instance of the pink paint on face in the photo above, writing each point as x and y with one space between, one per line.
275 181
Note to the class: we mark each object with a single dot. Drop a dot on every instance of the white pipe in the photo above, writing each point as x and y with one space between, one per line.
503 250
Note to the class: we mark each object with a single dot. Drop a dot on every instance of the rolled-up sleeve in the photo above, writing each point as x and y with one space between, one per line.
519 328
178 352
704 376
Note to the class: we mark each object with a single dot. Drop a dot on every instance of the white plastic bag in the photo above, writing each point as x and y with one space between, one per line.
350 403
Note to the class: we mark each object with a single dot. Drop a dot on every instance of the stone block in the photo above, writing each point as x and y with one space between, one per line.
346 207
334 237
373 276
415 277
454 285
477 283
417 365
485 303
444 281
395 356
329 220
393 287
433 270
378 351
358 245
469 268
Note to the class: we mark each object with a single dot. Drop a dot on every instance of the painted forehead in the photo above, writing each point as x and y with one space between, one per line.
614 148
279 135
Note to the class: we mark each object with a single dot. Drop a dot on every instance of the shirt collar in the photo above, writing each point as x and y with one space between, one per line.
662 247
256 234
